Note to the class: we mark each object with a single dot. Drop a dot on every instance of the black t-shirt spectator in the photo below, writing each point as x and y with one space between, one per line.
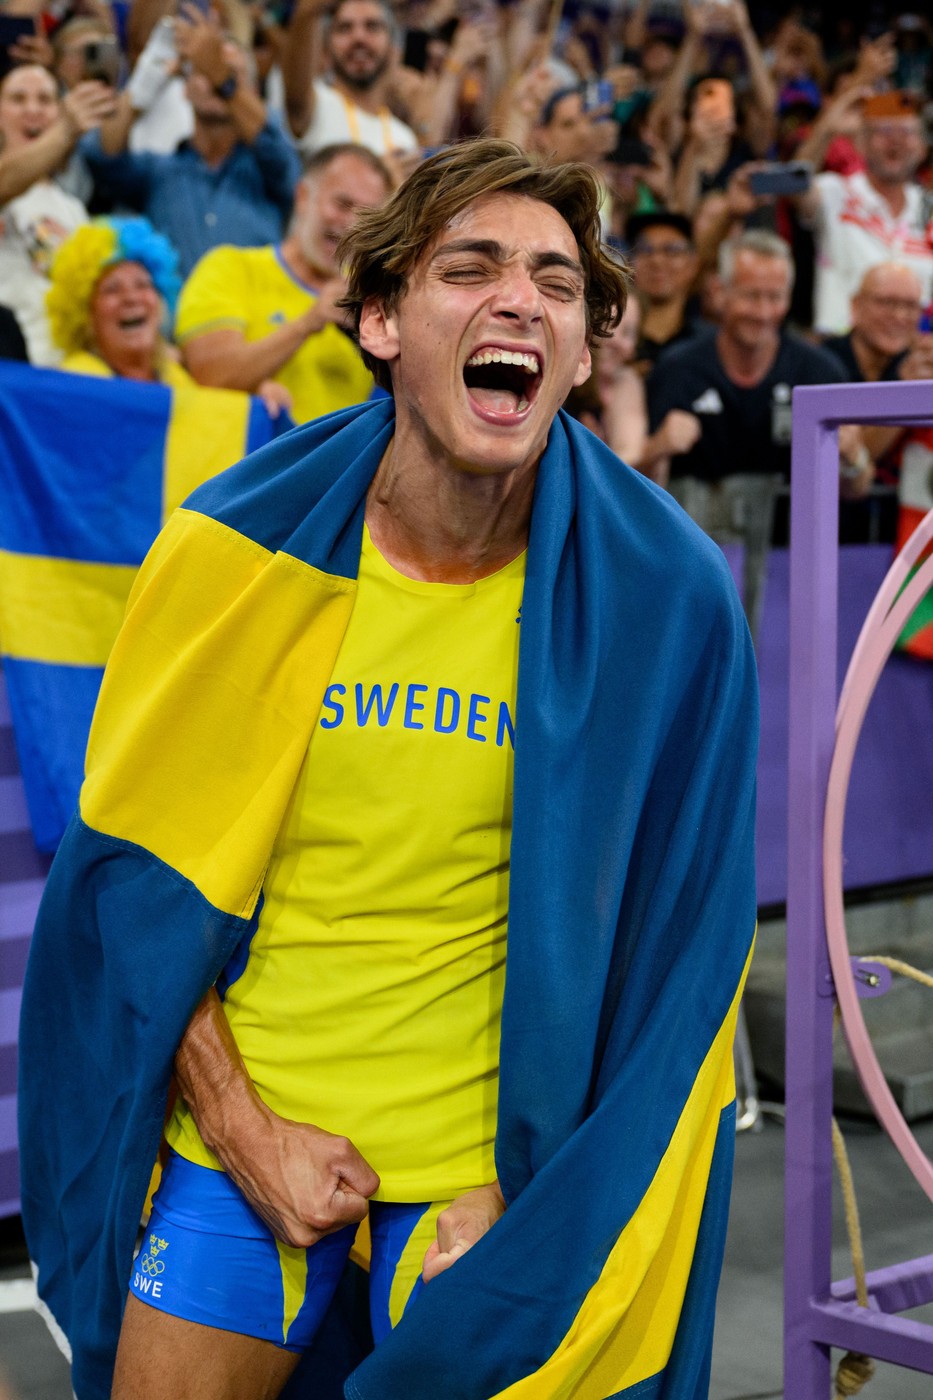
743 429
841 347
12 344
648 351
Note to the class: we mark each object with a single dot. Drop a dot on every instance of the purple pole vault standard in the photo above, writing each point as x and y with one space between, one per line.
816 1317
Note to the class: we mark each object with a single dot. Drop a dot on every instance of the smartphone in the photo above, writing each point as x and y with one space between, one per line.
629 151
782 177
12 29
102 61
598 93
415 52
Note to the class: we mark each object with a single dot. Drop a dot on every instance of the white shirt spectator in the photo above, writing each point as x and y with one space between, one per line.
31 228
336 118
854 231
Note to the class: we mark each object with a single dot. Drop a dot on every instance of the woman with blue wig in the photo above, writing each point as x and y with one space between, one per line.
114 283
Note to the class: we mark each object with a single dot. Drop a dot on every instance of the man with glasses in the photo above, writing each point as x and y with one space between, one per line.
890 339
665 267
871 216
886 312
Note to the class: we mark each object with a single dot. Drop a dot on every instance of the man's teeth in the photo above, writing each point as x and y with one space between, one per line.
505 357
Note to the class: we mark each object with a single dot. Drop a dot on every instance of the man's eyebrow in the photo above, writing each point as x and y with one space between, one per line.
492 248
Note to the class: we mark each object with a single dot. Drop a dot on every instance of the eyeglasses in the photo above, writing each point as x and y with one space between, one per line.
903 305
660 250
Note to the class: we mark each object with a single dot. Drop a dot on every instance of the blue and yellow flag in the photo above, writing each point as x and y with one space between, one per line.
89 470
631 913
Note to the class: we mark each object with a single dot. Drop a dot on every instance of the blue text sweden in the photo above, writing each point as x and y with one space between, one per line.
417 706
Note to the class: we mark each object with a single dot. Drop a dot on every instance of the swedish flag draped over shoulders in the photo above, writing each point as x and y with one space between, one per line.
631 916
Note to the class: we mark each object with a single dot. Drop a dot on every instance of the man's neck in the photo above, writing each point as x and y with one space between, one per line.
213 141
746 366
446 525
371 99
894 193
298 265
662 320
869 360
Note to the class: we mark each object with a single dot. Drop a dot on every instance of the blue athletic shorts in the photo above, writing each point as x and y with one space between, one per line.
208 1257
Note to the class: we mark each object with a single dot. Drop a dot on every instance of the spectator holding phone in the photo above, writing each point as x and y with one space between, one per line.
233 182
38 132
671 111
83 49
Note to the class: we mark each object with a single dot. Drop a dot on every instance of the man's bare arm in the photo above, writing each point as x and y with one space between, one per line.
302 1181
225 359
301 63
82 109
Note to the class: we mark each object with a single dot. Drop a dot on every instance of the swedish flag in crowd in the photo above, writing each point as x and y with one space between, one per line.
89 470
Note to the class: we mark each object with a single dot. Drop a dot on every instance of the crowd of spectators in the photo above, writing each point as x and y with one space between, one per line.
766 172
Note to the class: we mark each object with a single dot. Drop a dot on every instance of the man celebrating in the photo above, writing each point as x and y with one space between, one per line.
493 1007
357 39
872 216
248 315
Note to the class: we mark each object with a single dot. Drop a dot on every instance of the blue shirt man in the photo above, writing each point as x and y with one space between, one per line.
232 182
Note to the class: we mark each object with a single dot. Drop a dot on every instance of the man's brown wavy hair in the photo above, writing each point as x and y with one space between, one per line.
385 242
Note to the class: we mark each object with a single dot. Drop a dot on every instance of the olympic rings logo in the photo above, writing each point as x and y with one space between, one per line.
151 1266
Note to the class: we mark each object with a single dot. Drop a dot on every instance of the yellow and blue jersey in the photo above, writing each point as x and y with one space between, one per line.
371 997
253 291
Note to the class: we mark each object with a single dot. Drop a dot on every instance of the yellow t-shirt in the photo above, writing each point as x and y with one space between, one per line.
252 290
371 1000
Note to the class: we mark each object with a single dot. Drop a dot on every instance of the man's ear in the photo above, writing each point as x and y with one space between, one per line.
379 330
584 368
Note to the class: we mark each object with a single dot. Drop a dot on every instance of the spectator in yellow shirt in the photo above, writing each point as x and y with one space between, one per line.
247 315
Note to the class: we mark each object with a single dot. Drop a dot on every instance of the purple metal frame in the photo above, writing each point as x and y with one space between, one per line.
819 1315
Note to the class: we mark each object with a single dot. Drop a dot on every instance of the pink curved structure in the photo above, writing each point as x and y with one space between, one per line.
885 621
820 1314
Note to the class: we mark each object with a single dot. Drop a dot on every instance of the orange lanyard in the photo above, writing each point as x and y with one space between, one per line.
353 122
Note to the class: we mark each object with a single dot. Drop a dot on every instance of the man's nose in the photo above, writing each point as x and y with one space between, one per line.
518 296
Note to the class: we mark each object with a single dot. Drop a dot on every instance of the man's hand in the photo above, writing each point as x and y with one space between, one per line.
301 1180
275 397
325 309
918 363
464 1222
678 432
200 42
856 468
87 105
32 48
